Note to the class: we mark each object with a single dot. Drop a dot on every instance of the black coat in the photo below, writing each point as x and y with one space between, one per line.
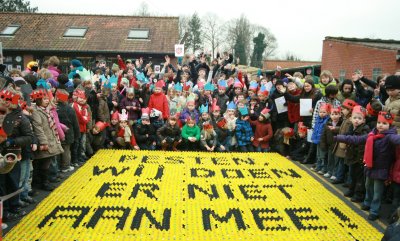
141 131
22 133
67 116
169 133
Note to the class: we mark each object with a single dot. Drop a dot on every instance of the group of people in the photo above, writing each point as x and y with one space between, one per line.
53 122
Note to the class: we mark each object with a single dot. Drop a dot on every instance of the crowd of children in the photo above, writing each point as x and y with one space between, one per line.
59 121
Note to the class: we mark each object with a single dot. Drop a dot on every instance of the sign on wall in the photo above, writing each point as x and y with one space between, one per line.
153 195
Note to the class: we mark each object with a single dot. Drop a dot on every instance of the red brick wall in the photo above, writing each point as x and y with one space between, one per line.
271 64
338 56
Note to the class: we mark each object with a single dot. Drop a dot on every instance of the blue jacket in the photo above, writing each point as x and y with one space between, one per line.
384 153
318 128
244 132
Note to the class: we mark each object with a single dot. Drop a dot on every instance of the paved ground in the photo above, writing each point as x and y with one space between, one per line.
336 189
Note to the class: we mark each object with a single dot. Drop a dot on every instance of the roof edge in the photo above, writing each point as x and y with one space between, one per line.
93 15
365 40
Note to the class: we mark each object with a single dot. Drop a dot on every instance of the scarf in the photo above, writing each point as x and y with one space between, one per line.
52 122
369 148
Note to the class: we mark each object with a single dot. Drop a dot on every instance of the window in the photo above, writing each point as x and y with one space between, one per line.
75 32
10 30
342 75
375 73
138 34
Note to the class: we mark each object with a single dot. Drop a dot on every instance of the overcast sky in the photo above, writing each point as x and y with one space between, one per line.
299 26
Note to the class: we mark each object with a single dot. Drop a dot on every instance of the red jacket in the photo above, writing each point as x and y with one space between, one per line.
263 130
83 116
294 109
159 101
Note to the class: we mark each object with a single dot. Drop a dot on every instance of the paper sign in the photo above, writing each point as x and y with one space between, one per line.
280 107
305 106
179 50
157 69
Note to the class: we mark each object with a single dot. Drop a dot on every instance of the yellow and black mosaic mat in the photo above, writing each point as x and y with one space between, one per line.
154 195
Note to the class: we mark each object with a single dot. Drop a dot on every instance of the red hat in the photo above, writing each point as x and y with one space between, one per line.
385 117
349 104
115 116
62 95
80 94
10 96
325 106
38 94
238 84
360 110
215 107
265 113
374 108
186 87
221 122
207 125
101 125
145 113
190 119
336 110
160 84
288 132
301 128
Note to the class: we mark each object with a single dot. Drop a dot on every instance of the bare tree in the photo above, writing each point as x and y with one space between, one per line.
143 10
212 32
183 25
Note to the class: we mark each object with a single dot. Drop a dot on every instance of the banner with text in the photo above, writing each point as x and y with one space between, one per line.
154 195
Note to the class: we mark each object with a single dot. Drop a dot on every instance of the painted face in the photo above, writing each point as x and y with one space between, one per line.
382 126
357 119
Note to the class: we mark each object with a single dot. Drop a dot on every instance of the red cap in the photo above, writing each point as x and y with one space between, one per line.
101 125
325 106
360 110
115 116
62 95
385 117
301 128
336 110
8 96
38 94
371 110
215 107
207 125
349 104
80 94
160 84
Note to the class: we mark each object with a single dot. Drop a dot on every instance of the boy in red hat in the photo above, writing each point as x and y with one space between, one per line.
67 116
339 149
208 141
159 101
98 136
327 142
378 159
354 155
82 111
145 132
112 130
263 131
169 135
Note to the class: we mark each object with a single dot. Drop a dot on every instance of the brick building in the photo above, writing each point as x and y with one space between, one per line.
373 56
37 36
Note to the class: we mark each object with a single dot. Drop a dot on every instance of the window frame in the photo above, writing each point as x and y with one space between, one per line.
75 36
16 26
139 38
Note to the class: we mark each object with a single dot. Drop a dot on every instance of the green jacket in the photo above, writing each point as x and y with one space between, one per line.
322 87
188 131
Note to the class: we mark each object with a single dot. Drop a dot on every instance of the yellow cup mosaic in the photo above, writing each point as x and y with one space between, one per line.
154 195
